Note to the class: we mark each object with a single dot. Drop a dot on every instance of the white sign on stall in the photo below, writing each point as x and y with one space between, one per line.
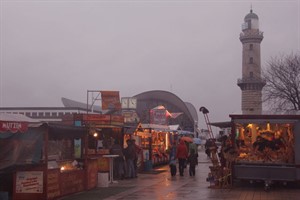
29 182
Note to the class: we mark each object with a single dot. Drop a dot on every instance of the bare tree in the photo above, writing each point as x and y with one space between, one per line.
282 90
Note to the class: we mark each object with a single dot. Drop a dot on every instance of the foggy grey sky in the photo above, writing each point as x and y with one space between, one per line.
53 49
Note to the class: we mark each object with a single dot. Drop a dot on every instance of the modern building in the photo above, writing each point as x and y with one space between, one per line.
251 82
187 119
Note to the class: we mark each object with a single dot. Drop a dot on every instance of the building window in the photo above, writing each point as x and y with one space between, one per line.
41 114
27 114
60 114
54 114
34 114
251 60
47 114
251 47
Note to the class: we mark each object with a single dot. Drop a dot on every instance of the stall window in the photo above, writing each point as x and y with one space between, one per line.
265 143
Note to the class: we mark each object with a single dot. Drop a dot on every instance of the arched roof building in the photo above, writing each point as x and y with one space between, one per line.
150 99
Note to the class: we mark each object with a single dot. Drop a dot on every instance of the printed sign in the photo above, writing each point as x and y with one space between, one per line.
13 126
29 182
158 116
110 100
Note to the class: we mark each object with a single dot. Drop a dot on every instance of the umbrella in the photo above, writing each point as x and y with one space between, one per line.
197 140
186 139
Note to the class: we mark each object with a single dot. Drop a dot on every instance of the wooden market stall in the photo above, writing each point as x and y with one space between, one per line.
46 161
155 140
103 130
62 169
267 148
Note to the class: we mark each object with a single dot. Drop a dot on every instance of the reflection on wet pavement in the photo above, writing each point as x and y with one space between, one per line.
163 186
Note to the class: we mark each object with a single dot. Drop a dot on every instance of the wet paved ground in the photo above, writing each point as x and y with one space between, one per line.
163 186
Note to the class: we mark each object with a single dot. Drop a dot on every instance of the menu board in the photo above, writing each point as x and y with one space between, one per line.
29 182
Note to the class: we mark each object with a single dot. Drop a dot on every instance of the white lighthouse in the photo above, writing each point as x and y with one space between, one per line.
251 82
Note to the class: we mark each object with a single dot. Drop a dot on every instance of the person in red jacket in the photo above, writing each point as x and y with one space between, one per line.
181 155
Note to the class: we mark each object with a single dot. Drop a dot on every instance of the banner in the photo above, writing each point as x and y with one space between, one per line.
110 100
20 149
158 116
175 115
13 127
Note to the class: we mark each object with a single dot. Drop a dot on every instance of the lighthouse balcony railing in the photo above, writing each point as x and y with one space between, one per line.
251 80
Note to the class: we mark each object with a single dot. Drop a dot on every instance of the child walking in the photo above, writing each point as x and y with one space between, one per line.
173 166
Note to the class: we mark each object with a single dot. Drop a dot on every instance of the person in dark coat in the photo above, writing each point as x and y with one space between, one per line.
193 161
138 150
116 149
172 163
130 156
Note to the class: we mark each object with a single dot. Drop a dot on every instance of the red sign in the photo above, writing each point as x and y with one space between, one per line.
158 116
110 100
98 119
13 126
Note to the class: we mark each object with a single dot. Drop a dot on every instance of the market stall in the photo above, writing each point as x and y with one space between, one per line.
46 161
267 147
155 140
103 130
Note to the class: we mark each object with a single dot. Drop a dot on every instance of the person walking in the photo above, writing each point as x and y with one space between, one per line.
130 155
116 149
172 163
193 146
138 150
181 155
193 161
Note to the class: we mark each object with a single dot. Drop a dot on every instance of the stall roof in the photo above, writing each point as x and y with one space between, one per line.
156 127
221 124
257 119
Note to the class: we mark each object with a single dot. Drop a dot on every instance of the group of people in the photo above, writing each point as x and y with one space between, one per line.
186 154
125 165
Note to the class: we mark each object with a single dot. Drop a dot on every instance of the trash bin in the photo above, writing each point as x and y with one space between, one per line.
148 165
103 179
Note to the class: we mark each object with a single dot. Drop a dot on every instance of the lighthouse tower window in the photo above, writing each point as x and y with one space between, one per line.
251 60
251 74
251 47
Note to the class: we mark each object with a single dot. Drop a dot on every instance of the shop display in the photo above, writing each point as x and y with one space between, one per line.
265 143
266 148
